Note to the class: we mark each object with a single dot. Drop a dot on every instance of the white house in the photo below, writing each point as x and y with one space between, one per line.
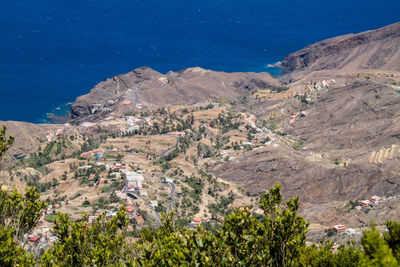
154 203
134 179
169 180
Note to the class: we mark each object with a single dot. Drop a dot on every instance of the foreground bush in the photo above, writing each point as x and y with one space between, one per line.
278 239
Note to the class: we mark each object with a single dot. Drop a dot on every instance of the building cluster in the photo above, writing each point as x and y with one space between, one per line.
305 89
163 80
324 84
52 136
263 134
87 124
373 201
295 115
249 120
41 236
130 211
133 180
132 124
108 214
97 155
340 228
266 135
258 211
196 221
365 203
126 125
133 183
51 208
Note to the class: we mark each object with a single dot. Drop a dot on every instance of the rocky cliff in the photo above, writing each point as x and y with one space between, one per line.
377 49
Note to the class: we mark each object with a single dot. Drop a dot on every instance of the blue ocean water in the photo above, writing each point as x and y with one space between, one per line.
52 51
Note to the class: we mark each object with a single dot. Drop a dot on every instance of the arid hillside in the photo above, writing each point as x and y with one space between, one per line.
27 136
376 49
328 147
145 88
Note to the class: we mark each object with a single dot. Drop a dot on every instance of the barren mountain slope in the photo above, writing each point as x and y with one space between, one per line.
377 49
343 125
147 88
27 135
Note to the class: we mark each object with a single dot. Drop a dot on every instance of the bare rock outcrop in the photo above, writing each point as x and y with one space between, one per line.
377 49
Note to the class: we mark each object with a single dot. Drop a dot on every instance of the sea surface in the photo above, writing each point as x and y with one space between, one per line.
52 51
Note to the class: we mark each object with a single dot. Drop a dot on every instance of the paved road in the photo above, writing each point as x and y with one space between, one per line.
158 216
134 197
171 194
169 149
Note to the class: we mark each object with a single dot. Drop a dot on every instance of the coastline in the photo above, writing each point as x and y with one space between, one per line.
60 113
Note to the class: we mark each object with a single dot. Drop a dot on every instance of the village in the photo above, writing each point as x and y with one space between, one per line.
125 170
153 162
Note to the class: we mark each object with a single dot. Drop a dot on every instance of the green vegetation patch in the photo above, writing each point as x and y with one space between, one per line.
50 218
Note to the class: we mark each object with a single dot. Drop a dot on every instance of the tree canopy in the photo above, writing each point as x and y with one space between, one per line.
5 142
277 239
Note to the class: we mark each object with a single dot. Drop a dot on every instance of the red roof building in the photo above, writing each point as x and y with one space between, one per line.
34 238
338 228
85 155
130 209
365 203
197 220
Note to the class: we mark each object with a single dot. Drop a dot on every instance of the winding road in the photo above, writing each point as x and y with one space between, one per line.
170 149
133 197
171 194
